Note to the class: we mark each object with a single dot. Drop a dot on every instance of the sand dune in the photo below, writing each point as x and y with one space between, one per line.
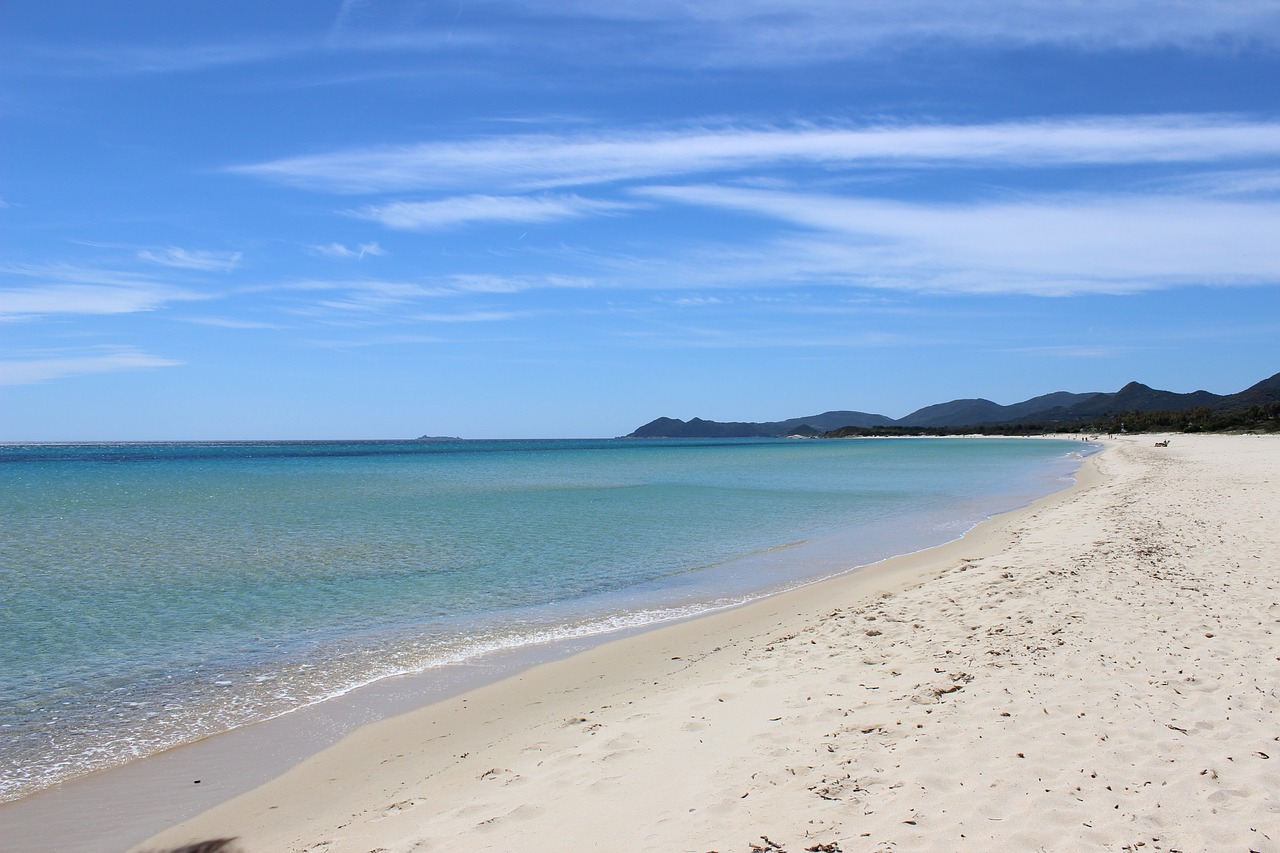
1098 671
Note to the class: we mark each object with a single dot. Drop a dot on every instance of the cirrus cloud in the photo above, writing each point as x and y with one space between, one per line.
425 215
68 289
344 252
45 366
192 259
1047 245
699 33
532 161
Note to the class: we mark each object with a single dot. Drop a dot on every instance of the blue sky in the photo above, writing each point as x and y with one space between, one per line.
496 218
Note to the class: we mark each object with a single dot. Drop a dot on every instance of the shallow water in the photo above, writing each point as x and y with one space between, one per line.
151 594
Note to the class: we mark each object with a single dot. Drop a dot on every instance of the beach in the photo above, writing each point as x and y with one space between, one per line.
1099 670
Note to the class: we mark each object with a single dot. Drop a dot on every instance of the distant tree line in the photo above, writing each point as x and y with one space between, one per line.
1264 417
1260 418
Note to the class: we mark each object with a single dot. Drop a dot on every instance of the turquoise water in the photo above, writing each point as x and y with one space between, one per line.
153 594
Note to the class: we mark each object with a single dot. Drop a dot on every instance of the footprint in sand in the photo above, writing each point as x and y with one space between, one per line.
500 775
402 806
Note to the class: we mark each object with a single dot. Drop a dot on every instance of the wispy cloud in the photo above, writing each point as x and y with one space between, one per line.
344 252
123 58
376 36
697 301
1241 182
464 210
760 32
37 367
718 33
471 316
532 161
192 259
1052 245
372 296
231 323
66 289
381 341
516 284
369 301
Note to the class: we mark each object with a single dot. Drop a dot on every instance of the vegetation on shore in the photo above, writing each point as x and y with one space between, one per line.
1264 417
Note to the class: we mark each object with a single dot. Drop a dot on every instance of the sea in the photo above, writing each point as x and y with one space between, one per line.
155 594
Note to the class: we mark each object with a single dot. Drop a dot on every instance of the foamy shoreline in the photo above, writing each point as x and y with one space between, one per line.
978 695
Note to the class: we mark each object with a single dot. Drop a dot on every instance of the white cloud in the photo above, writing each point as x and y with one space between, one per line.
701 33
65 289
342 251
192 259
1242 182
1054 245
471 317
78 299
532 160
230 323
516 284
697 301
759 32
375 301
464 210
44 367
381 341
371 296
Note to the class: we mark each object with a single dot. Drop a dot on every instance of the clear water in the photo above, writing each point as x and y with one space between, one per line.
154 594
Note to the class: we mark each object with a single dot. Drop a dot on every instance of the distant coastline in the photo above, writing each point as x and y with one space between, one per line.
1134 408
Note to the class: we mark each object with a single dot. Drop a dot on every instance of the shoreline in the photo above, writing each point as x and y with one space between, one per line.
1098 669
158 790
613 714
701 631
242 676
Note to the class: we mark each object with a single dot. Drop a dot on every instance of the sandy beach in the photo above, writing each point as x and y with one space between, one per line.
1100 670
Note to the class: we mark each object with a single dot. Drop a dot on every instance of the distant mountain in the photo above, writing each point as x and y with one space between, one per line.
698 428
1266 391
1045 402
986 412
1136 397
825 421
977 411
811 425
1059 408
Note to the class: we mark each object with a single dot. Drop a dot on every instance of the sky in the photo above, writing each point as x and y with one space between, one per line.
331 219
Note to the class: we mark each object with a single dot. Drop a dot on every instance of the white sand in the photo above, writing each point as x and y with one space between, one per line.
1098 671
